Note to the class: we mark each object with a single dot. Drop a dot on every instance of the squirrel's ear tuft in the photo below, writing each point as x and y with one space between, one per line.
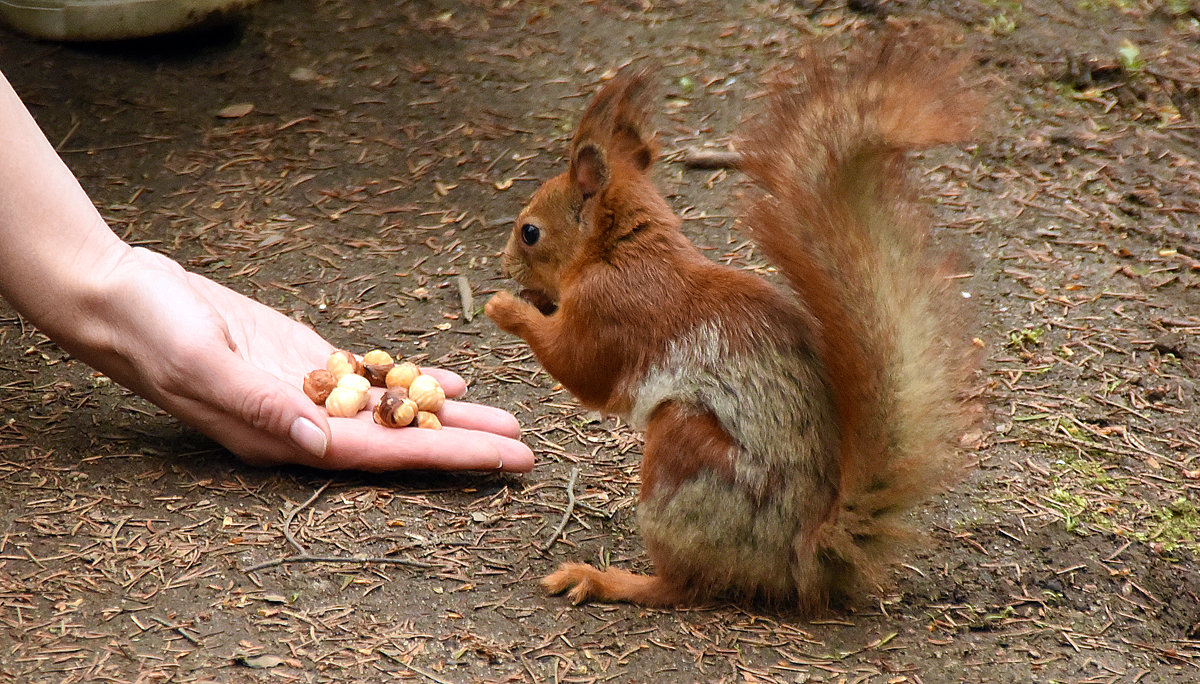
632 135
589 170
614 127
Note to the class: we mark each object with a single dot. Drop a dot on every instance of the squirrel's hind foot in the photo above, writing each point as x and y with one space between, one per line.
583 583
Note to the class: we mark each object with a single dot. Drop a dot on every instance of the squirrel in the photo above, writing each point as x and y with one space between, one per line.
787 429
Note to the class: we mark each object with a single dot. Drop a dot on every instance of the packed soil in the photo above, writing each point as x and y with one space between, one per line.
347 162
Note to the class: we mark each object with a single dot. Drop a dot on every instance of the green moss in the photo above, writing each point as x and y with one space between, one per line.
1092 474
1104 6
1130 56
1077 473
1178 525
1026 337
1070 506
1004 21
1000 24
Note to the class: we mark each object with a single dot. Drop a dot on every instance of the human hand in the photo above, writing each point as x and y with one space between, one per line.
217 360
233 369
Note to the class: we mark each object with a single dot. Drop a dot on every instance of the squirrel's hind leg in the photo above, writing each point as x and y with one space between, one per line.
584 583
682 444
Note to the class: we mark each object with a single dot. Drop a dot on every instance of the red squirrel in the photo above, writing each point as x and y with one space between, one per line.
787 430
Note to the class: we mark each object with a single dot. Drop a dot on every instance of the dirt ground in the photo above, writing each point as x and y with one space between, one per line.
389 146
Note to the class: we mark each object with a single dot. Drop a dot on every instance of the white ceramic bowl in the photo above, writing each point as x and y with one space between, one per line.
110 19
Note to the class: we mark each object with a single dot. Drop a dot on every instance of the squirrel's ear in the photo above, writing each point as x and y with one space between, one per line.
630 143
589 169
614 126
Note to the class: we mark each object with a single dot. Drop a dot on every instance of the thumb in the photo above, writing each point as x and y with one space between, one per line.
268 404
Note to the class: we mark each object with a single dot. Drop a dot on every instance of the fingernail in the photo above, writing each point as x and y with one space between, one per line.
308 436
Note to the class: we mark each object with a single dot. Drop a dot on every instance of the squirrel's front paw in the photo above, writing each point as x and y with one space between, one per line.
507 311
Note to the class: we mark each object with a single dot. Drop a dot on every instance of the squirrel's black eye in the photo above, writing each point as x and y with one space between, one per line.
530 234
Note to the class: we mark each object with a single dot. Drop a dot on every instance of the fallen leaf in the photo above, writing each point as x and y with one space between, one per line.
236 111
261 662
304 74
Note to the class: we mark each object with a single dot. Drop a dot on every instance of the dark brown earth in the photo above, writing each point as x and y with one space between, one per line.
389 145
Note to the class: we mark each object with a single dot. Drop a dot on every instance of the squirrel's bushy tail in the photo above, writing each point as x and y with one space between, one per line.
841 223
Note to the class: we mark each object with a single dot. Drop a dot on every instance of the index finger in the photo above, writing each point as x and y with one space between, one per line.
362 445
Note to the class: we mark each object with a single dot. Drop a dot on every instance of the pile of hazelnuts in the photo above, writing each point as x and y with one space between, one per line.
410 398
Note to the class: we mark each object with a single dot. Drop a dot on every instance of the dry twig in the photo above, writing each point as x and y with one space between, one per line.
305 557
562 524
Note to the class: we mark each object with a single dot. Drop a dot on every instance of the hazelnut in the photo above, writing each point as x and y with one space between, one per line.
355 382
342 362
428 420
427 392
318 384
376 365
402 375
376 374
377 357
395 410
345 402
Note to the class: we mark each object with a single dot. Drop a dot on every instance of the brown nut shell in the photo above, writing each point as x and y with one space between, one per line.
402 375
428 420
345 402
427 392
395 410
376 373
342 362
318 384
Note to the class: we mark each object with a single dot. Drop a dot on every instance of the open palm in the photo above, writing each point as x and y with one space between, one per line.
232 368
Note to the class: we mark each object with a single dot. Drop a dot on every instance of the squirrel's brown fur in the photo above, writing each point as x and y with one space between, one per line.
787 432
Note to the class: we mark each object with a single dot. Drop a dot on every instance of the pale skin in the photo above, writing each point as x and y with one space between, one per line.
218 361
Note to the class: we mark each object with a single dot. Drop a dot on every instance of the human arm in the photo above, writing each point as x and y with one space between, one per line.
220 362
